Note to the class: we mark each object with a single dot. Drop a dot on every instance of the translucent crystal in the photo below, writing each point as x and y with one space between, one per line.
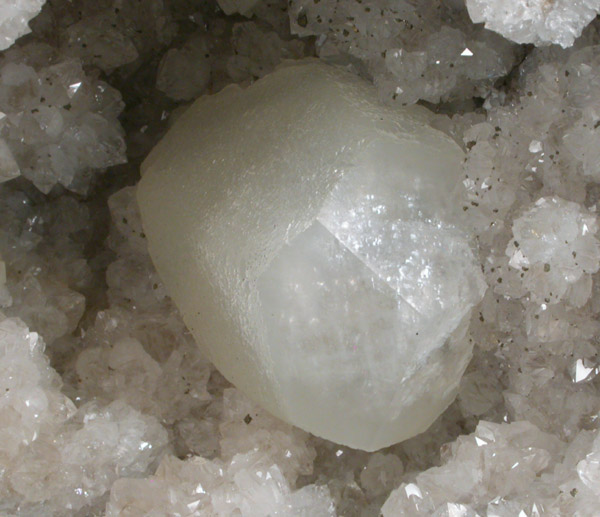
245 486
413 50
237 6
536 21
59 124
480 470
311 240
184 73
9 168
120 372
54 454
14 18
555 245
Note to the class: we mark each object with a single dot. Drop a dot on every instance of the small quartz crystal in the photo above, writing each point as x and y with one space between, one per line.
312 240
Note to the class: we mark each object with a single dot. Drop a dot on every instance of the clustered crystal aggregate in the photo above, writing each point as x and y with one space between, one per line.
107 404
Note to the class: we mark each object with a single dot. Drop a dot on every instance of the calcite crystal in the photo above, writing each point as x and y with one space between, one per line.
312 240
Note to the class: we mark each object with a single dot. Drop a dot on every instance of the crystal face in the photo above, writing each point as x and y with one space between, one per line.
536 21
312 241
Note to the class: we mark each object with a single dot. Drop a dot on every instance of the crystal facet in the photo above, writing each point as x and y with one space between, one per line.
312 241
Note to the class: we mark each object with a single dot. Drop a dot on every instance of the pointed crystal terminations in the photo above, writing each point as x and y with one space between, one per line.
311 239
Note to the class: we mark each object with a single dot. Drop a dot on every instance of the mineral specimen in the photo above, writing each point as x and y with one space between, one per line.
14 18
556 247
540 22
107 404
59 125
413 50
72 455
313 242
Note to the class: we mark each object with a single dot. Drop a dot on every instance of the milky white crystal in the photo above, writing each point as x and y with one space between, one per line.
14 18
540 22
311 239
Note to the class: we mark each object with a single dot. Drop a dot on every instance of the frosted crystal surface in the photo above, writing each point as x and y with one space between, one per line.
14 18
540 22
339 277
206 487
119 370
492 460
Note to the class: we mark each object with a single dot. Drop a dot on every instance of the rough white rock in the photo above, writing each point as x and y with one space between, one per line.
14 19
316 229
540 22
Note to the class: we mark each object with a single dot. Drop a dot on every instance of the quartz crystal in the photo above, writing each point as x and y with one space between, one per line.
59 125
413 50
14 18
540 22
555 245
312 240
501 456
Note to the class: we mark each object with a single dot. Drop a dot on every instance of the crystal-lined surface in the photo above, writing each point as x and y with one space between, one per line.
318 230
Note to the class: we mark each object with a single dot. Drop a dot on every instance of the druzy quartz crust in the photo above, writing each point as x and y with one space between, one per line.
312 240
108 406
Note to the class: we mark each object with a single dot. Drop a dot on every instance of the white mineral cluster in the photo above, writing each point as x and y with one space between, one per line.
426 51
252 477
338 281
14 19
108 406
58 125
71 455
540 22
555 245
499 459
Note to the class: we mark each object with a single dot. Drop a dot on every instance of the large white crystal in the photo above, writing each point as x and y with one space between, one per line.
311 239
540 22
